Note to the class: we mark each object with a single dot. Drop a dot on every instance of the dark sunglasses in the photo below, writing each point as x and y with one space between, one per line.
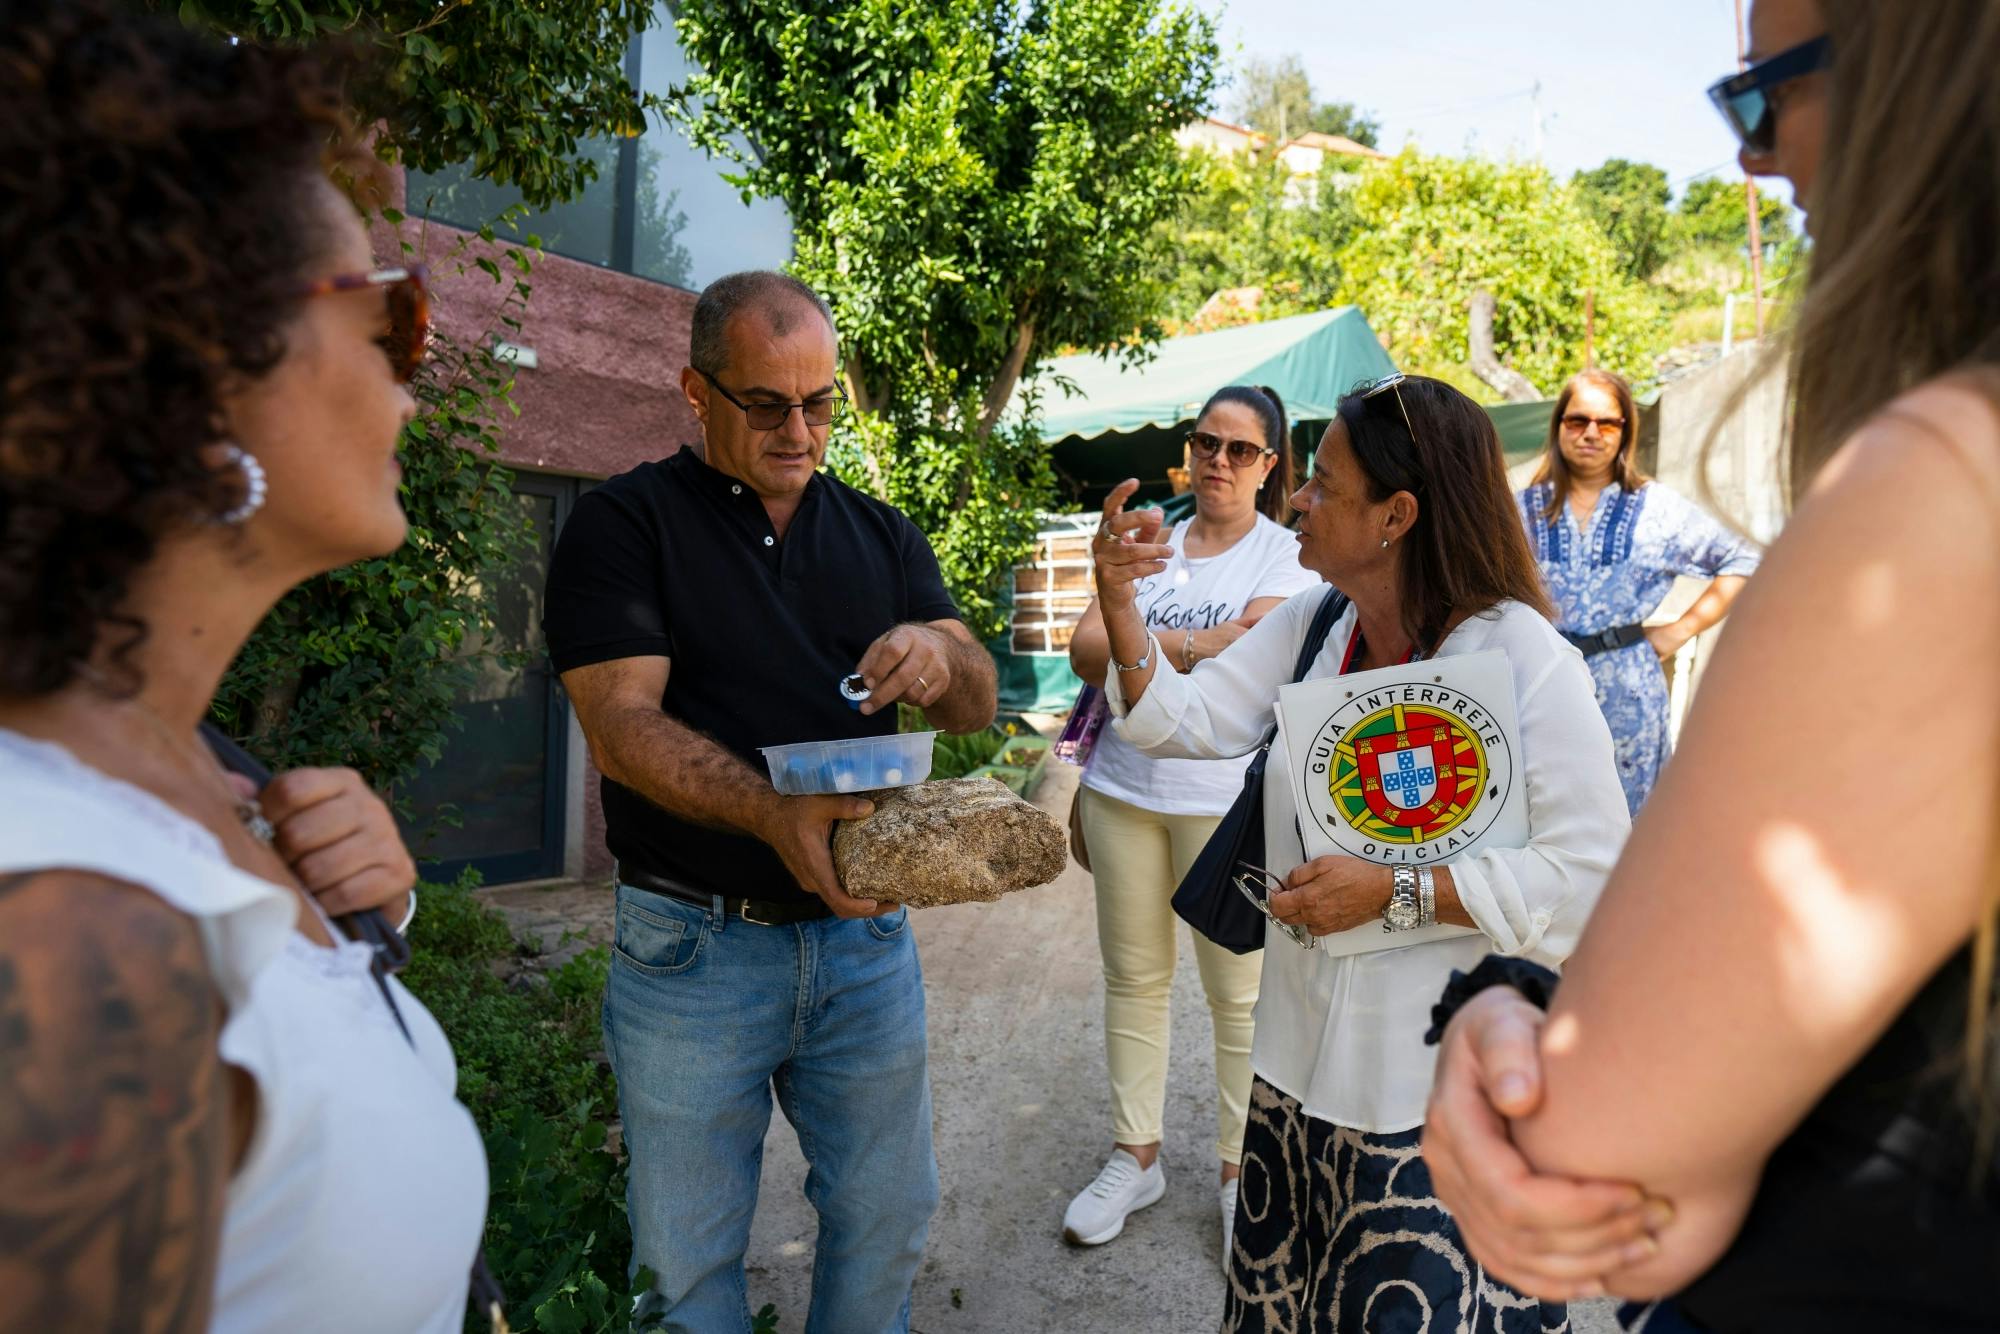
770 416
409 336
1576 423
1242 453
1745 99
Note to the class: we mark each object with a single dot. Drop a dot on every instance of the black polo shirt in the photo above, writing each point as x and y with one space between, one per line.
674 559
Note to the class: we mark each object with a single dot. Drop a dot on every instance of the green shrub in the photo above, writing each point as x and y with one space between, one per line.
530 1070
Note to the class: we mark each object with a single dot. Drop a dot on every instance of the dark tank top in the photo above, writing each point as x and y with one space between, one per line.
1867 1218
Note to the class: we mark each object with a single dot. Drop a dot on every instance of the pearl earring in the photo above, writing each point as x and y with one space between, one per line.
255 487
1385 544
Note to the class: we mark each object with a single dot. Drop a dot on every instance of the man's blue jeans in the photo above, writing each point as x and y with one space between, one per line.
705 1017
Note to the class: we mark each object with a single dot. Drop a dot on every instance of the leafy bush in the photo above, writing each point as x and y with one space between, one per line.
531 1073
362 666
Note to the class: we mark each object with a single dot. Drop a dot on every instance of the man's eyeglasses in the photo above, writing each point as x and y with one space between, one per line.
1242 453
1391 383
409 336
770 416
1255 884
1745 99
1576 423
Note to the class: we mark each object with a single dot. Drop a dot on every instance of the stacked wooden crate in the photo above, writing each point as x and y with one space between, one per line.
1052 589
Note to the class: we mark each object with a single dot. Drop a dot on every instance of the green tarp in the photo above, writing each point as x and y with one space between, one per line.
1311 360
1523 427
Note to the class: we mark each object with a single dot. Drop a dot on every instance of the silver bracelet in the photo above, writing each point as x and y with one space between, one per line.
1187 650
1144 662
1427 897
409 916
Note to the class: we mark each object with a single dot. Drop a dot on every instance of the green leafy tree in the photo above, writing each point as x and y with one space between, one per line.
1632 202
1714 213
1347 120
1276 98
514 89
973 187
1249 224
1430 231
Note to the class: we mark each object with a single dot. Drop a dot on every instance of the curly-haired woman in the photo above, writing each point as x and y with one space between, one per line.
208 1116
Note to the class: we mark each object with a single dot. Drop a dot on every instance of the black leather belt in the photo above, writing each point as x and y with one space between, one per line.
758 912
1607 641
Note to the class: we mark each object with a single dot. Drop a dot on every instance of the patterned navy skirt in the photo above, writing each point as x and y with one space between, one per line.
1338 1232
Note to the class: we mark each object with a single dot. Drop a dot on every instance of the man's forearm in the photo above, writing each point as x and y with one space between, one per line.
971 700
683 772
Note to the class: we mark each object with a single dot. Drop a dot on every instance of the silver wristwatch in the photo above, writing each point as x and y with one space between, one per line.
1403 913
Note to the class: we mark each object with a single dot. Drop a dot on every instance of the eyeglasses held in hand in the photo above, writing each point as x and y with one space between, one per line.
1391 383
1745 99
770 416
1576 423
1242 453
1263 882
409 337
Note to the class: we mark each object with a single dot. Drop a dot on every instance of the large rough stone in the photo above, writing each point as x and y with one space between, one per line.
958 840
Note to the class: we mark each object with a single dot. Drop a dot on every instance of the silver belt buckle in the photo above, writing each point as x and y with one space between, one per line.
749 915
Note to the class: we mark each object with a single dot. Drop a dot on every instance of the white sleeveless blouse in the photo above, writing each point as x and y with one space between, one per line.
359 1203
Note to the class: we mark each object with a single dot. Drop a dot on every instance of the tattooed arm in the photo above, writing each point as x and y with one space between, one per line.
114 1110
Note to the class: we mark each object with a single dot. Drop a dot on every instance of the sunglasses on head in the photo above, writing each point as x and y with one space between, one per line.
1242 453
1745 99
1391 383
409 335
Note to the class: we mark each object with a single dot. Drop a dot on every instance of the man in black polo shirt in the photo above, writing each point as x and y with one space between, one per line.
699 608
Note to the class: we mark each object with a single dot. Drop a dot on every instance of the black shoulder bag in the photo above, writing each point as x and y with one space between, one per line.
392 953
1206 900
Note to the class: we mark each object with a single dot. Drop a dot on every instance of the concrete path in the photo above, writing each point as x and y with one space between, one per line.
1016 998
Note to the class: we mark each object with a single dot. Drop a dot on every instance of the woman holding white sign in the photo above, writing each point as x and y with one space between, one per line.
1408 513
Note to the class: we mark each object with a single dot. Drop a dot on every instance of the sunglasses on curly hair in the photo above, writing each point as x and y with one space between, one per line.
409 335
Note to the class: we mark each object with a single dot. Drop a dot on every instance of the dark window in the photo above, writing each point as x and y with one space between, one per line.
506 770
659 207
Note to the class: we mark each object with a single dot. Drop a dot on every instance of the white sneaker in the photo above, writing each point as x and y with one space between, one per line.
1228 1219
1099 1213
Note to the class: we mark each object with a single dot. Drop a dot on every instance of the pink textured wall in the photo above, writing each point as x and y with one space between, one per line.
605 394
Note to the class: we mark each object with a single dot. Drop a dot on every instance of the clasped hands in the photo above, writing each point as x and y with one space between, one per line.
1552 1237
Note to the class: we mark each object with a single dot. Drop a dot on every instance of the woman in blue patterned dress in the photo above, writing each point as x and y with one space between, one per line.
1610 544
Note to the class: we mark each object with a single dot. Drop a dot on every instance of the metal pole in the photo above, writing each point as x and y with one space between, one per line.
1750 197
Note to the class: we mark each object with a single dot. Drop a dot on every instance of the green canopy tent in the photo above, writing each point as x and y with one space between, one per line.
1128 421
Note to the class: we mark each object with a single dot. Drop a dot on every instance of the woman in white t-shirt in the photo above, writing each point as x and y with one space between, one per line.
1145 820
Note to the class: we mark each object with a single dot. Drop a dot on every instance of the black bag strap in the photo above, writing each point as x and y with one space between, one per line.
1316 633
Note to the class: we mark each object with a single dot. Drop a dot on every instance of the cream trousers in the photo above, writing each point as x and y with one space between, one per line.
1138 857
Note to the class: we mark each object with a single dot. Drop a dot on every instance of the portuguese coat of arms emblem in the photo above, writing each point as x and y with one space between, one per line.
1415 763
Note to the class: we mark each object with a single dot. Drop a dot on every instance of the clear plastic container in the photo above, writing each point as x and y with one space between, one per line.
861 765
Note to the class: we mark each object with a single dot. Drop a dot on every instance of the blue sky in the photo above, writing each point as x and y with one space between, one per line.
1620 78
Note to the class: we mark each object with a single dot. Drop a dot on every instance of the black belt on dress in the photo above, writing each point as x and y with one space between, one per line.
1607 641
758 912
